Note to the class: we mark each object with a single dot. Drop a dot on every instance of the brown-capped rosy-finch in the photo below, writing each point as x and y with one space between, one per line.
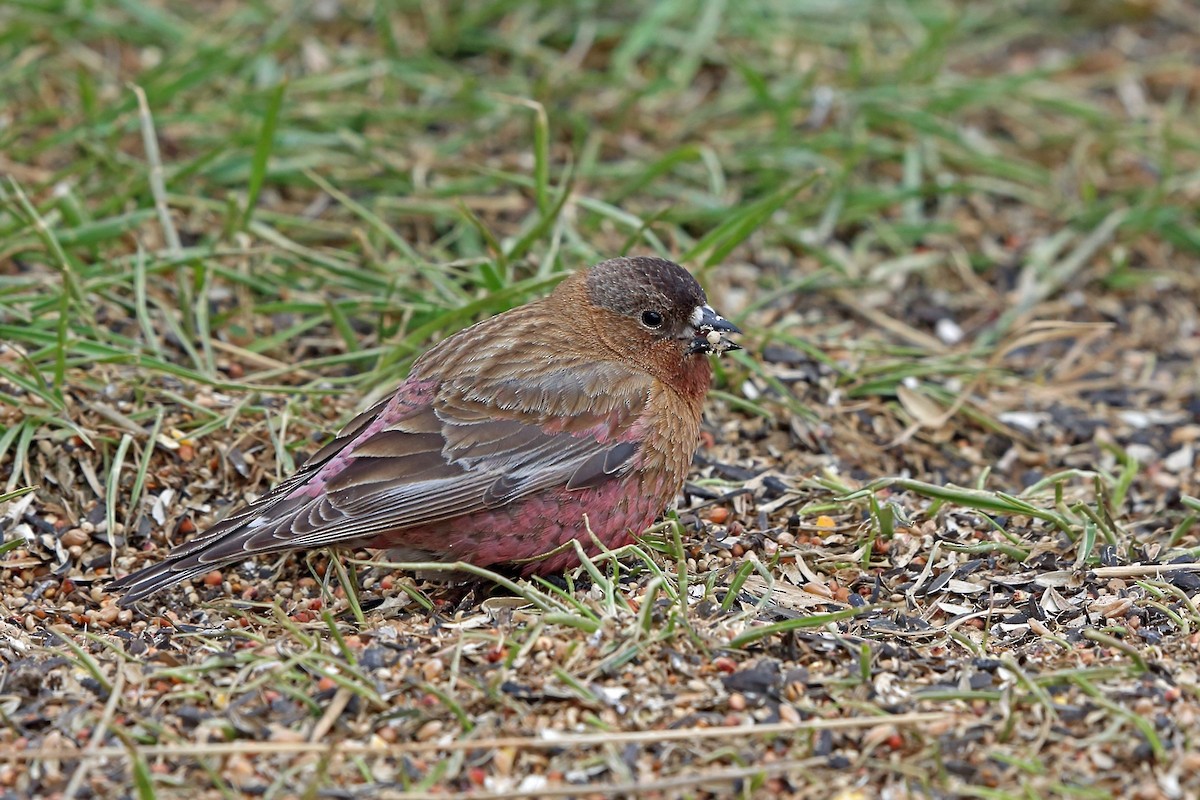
504 438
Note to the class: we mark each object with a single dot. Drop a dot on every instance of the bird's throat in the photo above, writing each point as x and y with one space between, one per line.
693 379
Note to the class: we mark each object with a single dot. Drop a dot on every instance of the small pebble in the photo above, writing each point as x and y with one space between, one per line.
433 669
725 664
429 730
74 538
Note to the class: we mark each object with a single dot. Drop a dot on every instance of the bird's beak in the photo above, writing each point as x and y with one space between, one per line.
710 329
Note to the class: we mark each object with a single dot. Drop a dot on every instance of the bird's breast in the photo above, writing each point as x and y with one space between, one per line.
669 431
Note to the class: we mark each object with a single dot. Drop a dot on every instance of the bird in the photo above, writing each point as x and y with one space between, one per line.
576 414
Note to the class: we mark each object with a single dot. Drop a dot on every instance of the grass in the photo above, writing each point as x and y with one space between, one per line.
948 228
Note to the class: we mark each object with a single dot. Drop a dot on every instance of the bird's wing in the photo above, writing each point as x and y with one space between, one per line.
473 447
429 454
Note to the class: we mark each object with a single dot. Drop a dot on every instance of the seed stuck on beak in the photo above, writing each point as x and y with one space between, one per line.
711 328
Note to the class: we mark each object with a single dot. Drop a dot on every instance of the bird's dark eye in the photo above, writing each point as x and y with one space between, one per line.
652 319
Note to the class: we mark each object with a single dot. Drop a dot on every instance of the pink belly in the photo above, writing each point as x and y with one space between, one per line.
535 525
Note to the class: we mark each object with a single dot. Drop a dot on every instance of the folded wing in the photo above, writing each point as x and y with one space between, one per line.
425 457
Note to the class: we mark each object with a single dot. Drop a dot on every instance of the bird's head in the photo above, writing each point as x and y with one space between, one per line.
655 306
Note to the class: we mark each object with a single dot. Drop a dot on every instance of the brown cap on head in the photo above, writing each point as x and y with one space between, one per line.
663 298
632 285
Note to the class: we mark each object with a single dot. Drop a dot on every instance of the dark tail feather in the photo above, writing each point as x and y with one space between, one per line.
223 543
230 541
156 577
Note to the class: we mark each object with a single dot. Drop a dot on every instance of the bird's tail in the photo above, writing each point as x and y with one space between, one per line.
226 542
156 577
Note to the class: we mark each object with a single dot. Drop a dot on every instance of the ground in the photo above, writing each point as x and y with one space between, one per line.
940 538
